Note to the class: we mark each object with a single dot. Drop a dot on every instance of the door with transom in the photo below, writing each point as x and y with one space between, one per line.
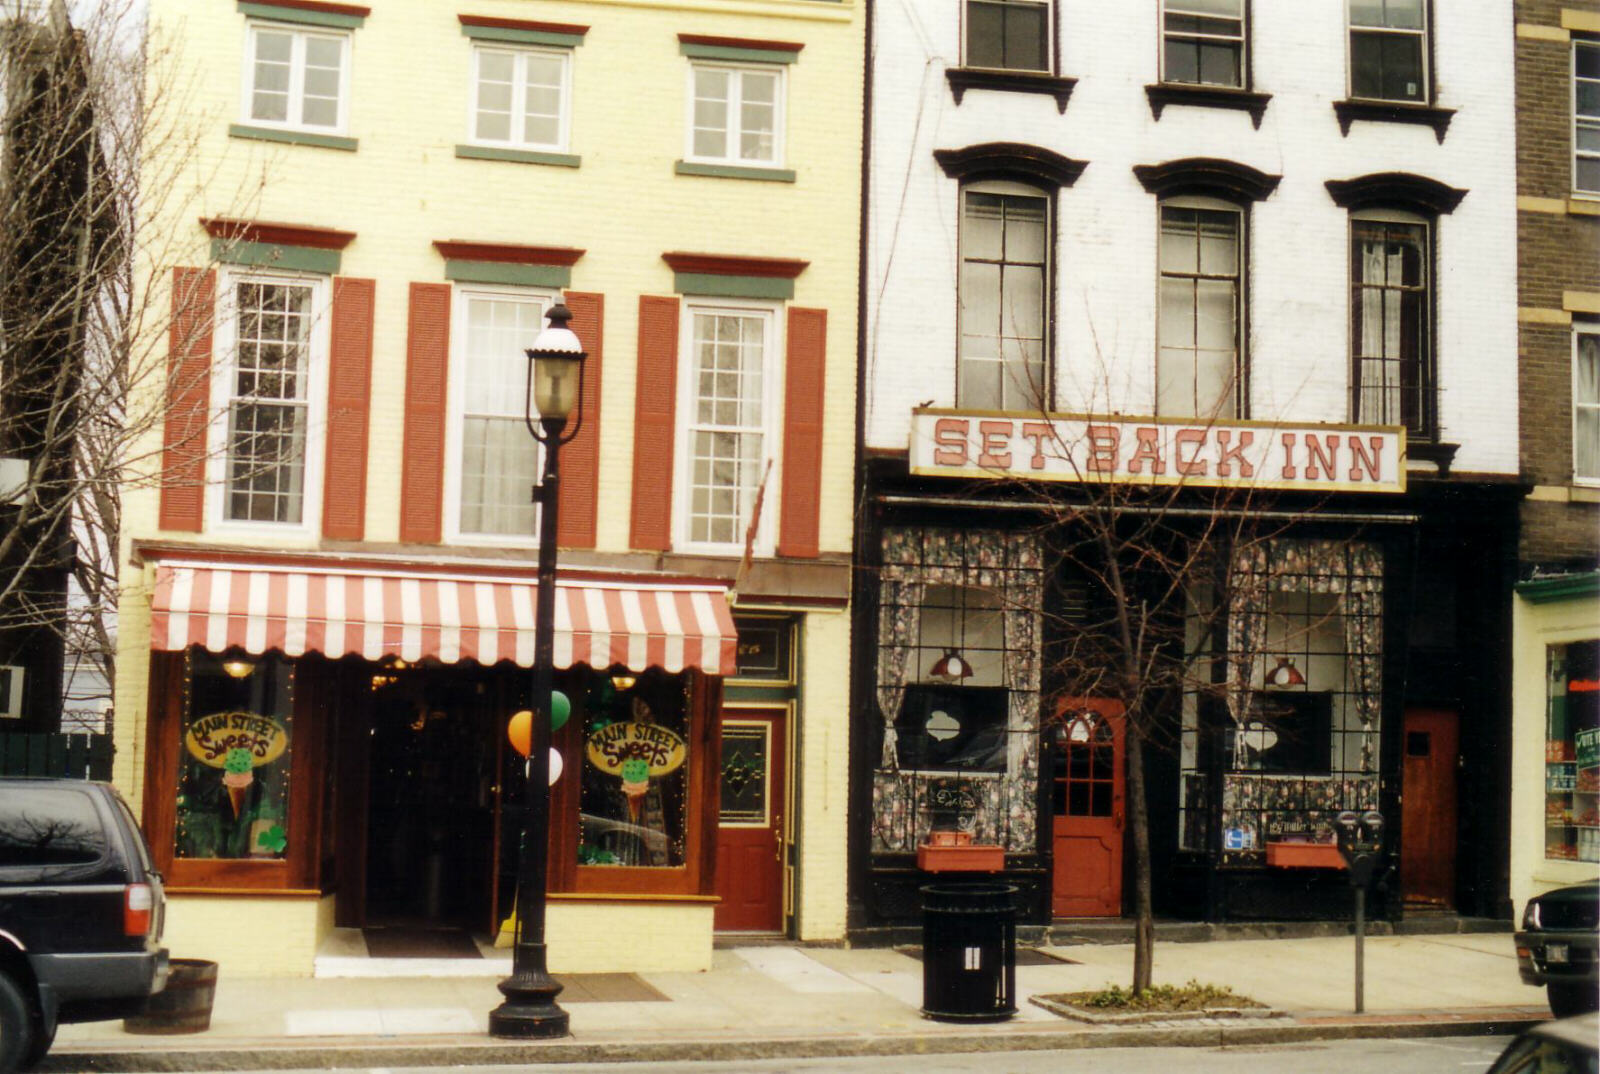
750 843
1086 793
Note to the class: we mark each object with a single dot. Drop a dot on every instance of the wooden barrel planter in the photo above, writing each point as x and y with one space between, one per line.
184 1006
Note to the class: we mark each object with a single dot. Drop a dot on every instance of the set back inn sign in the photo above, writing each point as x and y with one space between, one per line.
1158 451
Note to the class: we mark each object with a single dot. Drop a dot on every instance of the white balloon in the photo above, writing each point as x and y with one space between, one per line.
555 765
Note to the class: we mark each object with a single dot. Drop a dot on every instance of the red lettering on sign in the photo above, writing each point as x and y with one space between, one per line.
1231 453
1359 457
1328 458
951 436
1103 442
1189 466
1038 432
1289 471
994 445
1147 449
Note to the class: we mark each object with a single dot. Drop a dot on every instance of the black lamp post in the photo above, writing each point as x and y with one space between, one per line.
555 388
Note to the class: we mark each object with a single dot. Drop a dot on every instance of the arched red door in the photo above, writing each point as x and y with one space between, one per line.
1087 802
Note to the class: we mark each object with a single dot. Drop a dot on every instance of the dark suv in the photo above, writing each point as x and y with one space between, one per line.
80 913
1557 944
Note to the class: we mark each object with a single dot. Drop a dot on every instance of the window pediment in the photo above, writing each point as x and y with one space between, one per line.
1207 176
1010 160
1395 190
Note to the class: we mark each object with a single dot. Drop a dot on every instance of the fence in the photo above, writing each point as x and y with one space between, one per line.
74 756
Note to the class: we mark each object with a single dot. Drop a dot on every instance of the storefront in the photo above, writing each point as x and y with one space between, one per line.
326 746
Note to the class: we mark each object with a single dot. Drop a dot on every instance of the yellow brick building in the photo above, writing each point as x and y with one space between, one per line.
328 565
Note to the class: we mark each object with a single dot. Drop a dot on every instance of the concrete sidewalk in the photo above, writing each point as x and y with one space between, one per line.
792 1001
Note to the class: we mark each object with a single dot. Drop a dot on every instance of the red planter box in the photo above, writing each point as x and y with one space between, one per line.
1304 856
976 858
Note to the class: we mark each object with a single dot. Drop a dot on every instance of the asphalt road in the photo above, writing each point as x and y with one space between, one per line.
1450 1055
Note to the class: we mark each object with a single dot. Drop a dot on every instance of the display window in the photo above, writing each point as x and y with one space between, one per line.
1572 752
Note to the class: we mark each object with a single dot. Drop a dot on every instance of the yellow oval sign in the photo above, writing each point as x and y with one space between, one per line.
211 737
662 749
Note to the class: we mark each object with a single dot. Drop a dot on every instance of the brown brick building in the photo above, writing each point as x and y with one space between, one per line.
1556 618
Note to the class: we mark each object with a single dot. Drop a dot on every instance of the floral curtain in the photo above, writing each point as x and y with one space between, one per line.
899 607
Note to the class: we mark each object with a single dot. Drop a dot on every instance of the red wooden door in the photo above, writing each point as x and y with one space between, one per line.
750 821
1428 807
1086 796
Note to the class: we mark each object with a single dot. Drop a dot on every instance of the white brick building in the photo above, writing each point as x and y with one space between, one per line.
1042 174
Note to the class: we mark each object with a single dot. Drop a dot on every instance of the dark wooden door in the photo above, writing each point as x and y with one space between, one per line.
1087 803
750 841
1428 807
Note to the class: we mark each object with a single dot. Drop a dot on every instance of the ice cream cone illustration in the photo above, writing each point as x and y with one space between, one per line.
635 783
237 775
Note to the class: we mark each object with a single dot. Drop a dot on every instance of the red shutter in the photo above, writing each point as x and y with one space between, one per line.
427 369
183 442
655 396
802 433
344 479
580 460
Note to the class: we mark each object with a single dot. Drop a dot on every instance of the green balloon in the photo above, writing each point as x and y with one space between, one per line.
560 709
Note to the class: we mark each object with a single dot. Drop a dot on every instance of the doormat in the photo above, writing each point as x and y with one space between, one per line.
606 988
1026 956
420 943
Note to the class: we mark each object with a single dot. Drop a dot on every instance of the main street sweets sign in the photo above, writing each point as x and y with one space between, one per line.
1158 451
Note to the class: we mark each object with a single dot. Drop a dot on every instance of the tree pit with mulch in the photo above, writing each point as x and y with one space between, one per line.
1117 1006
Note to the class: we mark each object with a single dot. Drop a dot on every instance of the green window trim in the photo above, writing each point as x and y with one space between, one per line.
518 156
512 36
272 134
737 55
276 256
1560 587
507 272
717 286
265 9
734 171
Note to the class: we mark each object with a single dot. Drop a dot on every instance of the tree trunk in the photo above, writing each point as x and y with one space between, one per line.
1144 934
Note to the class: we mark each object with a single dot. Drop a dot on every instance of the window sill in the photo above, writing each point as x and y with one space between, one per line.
734 171
517 156
272 134
1425 115
1584 204
962 79
1164 93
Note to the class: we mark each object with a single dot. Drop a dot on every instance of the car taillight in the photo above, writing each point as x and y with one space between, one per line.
137 902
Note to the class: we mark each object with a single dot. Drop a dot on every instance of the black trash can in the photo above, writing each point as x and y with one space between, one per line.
969 952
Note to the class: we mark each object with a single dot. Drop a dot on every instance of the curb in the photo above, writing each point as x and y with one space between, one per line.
347 1052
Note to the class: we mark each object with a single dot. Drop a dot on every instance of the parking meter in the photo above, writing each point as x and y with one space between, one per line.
1360 837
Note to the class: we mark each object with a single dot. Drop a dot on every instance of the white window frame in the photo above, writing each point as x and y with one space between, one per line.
1010 188
223 367
300 34
1242 37
520 55
1049 35
1240 386
1579 330
455 408
1588 121
1426 74
772 427
733 131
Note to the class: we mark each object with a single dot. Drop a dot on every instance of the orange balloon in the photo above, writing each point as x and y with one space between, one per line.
520 732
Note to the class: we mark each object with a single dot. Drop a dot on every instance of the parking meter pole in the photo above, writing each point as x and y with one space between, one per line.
1361 937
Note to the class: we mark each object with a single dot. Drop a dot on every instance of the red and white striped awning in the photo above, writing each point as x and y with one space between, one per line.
374 613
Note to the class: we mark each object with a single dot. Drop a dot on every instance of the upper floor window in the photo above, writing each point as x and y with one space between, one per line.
1390 329
297 78
521 97
1203 42
1198 365
1586 116
729 386
275 347
1586 403
1011 35
1389 50
735 114
494 462
1005 261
